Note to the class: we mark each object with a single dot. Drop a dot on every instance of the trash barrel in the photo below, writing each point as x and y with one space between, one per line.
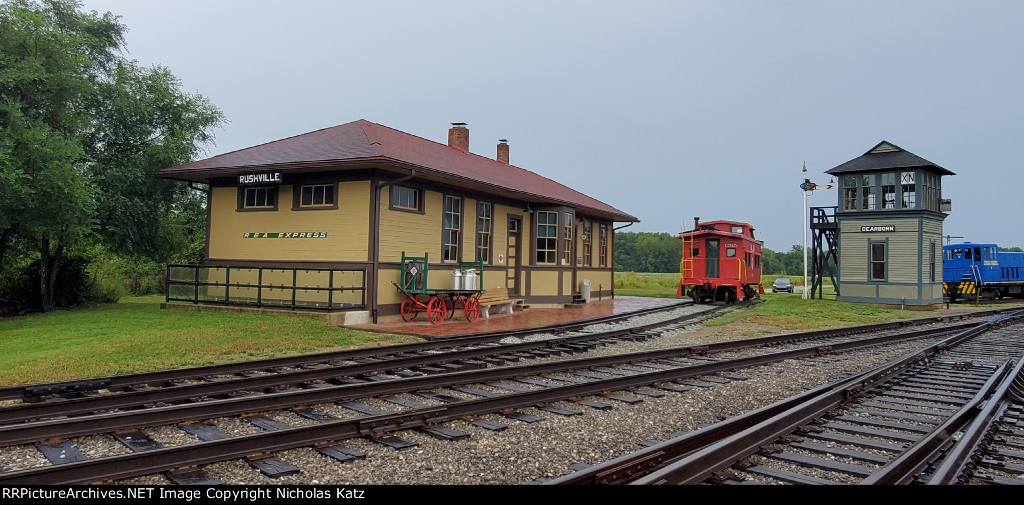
585 290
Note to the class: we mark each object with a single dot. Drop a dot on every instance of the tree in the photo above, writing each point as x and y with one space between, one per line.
647 252
83 132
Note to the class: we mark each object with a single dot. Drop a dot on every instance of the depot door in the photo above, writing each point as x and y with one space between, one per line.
711 270
512 252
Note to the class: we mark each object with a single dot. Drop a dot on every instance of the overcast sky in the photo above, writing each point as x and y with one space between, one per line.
666 110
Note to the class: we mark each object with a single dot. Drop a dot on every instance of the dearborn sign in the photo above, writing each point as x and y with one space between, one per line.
888 227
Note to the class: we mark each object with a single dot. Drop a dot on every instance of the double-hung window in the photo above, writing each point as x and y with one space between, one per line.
547 237
452 226
483 231
602 252
877 260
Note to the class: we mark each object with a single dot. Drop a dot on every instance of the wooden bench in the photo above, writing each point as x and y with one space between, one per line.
496 297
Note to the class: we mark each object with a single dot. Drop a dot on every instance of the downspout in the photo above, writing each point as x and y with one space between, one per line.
208 191
631 223
375 258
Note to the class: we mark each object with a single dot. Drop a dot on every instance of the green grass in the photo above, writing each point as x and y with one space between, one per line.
136 335
787 311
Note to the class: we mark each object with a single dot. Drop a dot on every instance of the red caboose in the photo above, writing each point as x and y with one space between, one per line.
721 262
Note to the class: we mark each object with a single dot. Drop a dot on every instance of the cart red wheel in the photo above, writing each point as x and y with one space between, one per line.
449 307
409 311
472 309
435 310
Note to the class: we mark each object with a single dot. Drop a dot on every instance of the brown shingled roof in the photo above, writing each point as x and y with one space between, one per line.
362 142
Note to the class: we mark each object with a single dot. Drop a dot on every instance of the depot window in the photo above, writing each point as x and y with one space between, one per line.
877 257
483 231
452 228
258 198
405 198
547 237
317 196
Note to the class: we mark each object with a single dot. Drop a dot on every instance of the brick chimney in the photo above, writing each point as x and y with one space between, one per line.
503 151
458 137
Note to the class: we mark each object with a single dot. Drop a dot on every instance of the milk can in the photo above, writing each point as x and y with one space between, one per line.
457 279
469 280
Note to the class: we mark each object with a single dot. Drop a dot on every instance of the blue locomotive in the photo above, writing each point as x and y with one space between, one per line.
971 271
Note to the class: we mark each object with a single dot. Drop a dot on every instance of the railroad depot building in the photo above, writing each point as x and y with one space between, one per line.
889 221
322 221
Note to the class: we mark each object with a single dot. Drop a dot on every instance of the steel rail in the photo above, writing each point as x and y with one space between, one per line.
30 391
99 423
89 404
678 460
959 461
171 394
908 465
701 464
113 467
128 380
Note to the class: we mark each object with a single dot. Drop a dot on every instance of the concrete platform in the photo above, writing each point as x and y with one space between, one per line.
521 319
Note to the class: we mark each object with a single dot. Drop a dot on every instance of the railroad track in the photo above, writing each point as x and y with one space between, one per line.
898 424
483 391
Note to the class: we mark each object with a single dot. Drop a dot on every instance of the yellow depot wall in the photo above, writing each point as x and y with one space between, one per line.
411 232
544 282
599 279
346 227
468 242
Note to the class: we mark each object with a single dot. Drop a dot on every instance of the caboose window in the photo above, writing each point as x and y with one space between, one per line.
877 260
730 252
737 230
